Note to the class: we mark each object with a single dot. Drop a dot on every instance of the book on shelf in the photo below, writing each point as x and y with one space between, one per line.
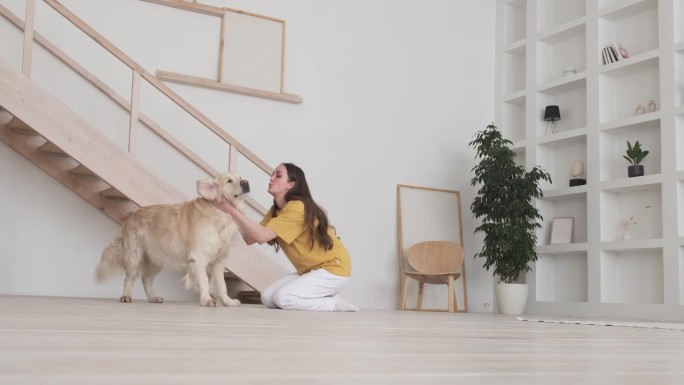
615 53
607 57
604 56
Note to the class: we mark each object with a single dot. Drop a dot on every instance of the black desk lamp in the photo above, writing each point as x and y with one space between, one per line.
551 115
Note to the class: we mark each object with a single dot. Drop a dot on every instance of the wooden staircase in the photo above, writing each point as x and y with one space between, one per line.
59 142
75 153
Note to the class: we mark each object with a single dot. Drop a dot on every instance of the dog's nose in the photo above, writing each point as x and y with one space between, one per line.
245 186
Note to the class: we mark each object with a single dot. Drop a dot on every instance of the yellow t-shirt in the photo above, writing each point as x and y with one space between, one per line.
293 239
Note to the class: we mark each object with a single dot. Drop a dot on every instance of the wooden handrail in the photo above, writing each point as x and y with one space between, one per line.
131 107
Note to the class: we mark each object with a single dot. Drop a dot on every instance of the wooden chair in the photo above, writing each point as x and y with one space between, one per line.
434 262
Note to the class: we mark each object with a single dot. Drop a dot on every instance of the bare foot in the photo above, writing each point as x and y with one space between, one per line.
342 304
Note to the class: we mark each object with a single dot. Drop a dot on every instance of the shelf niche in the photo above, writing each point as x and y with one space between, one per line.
679 77
559 51
574 205
632 276
634 26
678 21
623 89
520 156
571 99
644 203
514 69
552 13
562 277
514 121
515 20
558 157
613 145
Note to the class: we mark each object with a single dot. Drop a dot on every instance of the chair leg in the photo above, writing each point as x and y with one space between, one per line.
452 295
421 286
404 283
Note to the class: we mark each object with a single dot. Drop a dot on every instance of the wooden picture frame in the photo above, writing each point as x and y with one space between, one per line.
562 230
252 51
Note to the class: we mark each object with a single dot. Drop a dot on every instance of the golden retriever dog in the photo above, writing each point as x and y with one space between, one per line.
191 236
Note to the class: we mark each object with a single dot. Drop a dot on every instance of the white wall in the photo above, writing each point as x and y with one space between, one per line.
393 92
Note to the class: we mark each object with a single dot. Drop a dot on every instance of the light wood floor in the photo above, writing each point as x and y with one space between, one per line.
101 341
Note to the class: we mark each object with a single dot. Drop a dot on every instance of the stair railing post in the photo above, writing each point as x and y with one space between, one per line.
28 37
232 158
135 113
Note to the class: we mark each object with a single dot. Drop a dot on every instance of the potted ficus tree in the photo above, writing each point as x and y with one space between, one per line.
634 156
509 217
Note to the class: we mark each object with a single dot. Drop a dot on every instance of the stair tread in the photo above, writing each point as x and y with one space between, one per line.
21 131
52 149
18 126
83 171
112 193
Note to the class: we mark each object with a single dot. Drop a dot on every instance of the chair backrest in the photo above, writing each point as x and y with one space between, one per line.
435 257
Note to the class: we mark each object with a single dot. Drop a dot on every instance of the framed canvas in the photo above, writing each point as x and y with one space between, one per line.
252 51
562 230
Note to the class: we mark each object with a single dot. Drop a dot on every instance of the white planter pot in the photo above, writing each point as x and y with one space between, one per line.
511 297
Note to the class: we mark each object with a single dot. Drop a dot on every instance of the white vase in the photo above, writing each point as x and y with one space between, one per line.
511 298
626 236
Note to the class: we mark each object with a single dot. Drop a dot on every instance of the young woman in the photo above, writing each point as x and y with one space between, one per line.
296 225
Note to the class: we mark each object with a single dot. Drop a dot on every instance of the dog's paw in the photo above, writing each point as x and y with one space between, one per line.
157 300
125 298
231 302
208 303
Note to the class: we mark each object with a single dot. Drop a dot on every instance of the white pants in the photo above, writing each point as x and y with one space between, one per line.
314 291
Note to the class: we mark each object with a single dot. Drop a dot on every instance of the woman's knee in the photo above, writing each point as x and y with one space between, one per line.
267 300
285 300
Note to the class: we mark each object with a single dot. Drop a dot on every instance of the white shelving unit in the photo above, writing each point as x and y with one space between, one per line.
603 272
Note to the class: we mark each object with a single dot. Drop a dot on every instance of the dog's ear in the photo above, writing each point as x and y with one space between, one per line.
206 188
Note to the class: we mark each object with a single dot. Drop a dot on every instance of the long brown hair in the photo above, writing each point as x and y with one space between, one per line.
314 217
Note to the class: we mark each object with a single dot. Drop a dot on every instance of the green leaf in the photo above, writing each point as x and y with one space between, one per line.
634 153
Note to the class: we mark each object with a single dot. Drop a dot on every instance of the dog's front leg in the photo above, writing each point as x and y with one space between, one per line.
218 285
198 269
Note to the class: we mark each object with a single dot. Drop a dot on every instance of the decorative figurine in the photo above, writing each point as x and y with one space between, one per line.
576 171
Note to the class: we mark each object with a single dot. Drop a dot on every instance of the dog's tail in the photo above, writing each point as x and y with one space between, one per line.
111 260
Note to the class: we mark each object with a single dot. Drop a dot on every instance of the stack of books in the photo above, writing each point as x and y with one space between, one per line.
612 53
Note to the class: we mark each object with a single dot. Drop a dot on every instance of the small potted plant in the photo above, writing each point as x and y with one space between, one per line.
504 202
634 156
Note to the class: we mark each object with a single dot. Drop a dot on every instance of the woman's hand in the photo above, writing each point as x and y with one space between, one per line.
225 205
251 231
